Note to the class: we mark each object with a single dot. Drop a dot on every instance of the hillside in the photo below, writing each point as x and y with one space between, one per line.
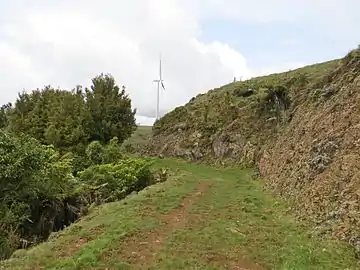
200 218
300 128
138 141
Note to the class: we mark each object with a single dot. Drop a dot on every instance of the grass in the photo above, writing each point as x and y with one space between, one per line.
219 107
201 218
140 135
138 139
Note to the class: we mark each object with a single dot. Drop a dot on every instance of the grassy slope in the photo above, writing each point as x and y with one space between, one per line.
139 138
141 134
215 103
202 218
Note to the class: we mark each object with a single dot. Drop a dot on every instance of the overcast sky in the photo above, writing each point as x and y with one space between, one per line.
204 43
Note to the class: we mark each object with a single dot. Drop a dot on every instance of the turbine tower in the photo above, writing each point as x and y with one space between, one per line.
159 81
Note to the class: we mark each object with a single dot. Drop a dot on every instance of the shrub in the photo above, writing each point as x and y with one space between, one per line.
243 92
95 152
31 175
112 151
39 193
118 180
98 154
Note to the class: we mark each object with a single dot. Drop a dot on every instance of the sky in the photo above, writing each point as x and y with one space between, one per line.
204 43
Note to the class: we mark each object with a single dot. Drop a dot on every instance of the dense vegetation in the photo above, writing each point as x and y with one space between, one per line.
60 153
69 120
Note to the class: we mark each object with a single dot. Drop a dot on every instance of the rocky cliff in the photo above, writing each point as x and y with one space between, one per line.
300 128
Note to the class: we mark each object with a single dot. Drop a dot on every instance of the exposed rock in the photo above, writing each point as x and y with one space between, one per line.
321 155
249 154
220 146
196 153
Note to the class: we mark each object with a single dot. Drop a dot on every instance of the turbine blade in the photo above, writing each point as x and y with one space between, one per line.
162 84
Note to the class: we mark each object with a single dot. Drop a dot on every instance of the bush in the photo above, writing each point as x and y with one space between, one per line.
243 92
31 175
94 152
39 193
118 180
112 151
98 154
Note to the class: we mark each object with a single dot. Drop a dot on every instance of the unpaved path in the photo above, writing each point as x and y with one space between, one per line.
140 250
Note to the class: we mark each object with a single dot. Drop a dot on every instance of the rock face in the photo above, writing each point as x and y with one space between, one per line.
300 128
316 162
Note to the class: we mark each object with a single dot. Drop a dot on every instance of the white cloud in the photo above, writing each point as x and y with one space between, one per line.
280 68
144 120
259 11
65 43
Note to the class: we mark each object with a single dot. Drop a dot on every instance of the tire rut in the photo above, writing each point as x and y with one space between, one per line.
141 249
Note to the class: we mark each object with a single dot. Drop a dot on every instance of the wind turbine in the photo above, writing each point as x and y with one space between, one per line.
159 81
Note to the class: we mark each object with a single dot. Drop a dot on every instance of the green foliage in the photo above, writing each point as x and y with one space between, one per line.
69 120
139 141
179 113
94 152
110 110
112 151
255 108
118 180
274 100
298 80
67 126
55 136
353 54
56 117
4 109
243 92
29 174
21 163
98 154
40 194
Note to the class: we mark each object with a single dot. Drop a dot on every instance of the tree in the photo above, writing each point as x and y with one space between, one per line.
4 109
110 110
67 124
70 120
